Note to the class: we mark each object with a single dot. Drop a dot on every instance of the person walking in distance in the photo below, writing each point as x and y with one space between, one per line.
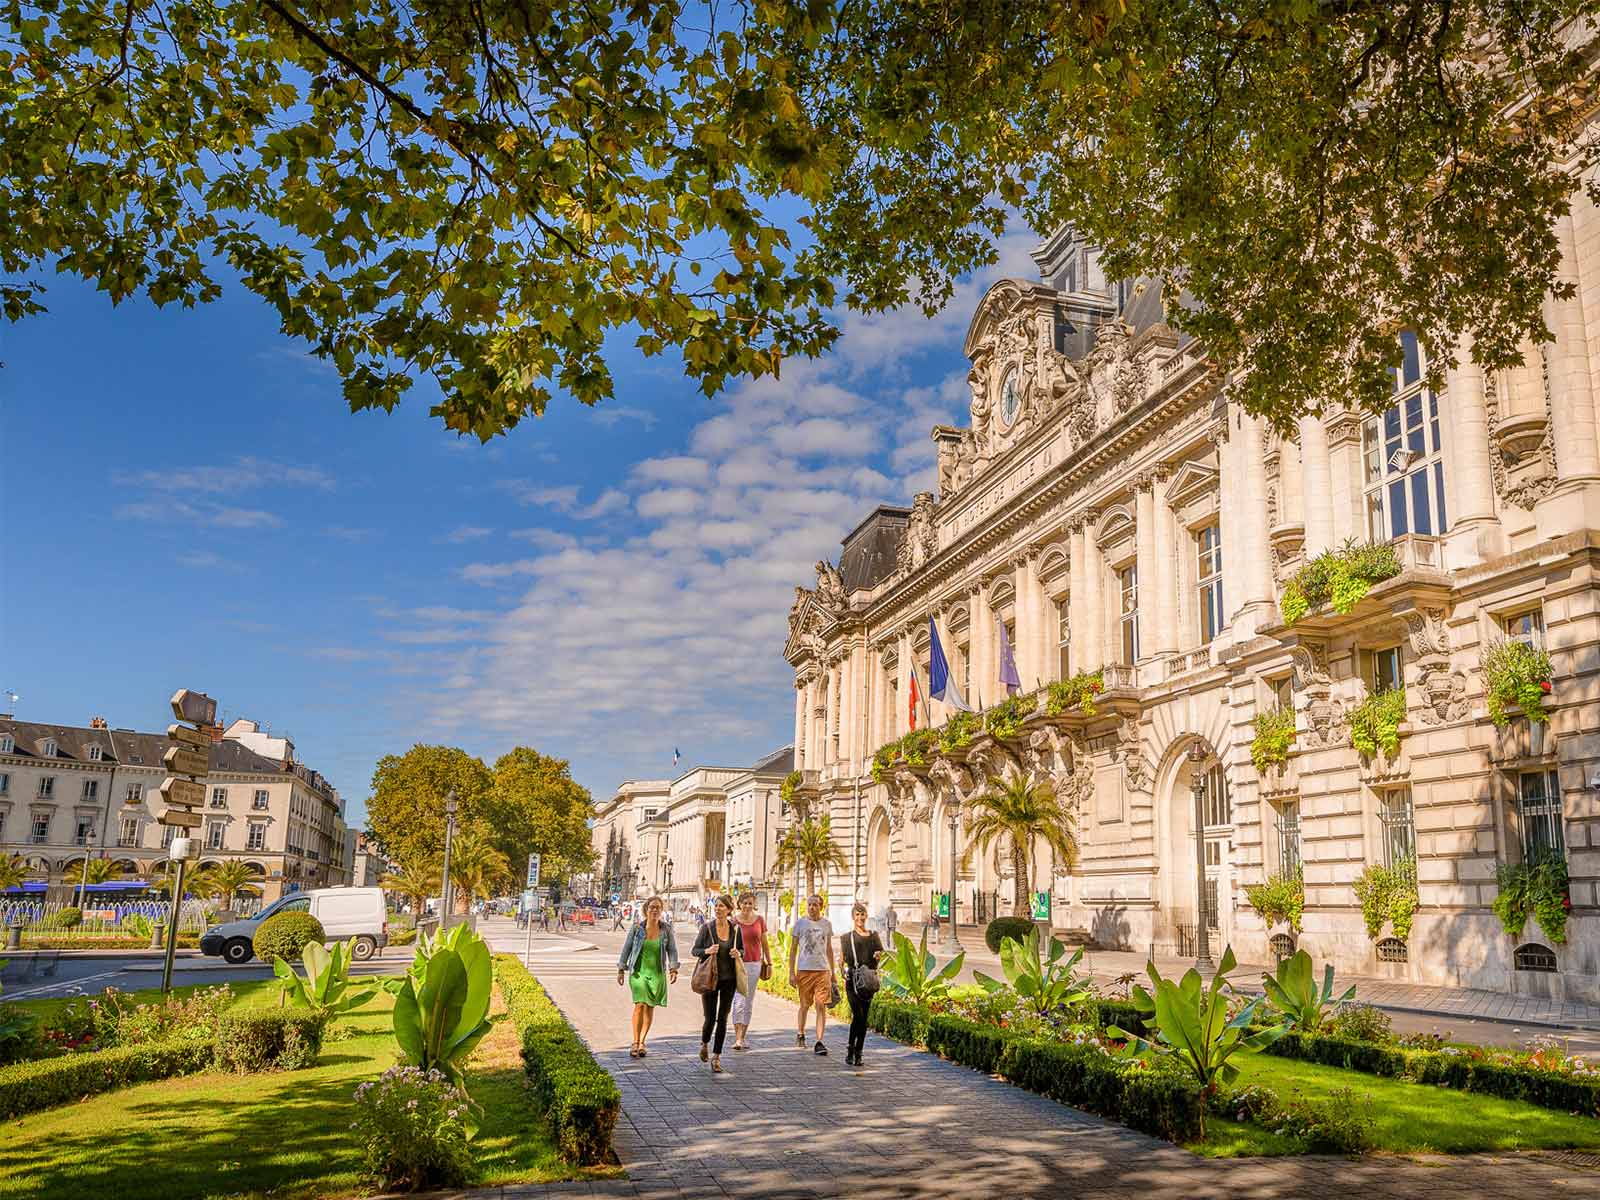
620 916
860 948
648 963
811 969
757 958
721 937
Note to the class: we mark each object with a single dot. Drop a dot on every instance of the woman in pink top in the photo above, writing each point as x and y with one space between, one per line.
753 931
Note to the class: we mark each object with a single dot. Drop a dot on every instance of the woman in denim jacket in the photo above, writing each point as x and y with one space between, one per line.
649 962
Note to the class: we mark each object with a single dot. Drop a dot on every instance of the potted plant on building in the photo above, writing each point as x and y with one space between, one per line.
1274 736
1516 675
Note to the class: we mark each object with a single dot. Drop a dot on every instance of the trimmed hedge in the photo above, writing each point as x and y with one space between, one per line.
1159 1102
1547 1089
268 1039
31 1086
285 935
1124 1014
997 930
580 1099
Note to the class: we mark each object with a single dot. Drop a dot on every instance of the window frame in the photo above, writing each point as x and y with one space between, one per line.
1128 614
1376 658
1412 417
1208 582
1534 635
1542 811
1397 825
1291 861
1063 638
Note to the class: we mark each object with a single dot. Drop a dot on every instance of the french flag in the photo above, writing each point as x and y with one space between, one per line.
675 756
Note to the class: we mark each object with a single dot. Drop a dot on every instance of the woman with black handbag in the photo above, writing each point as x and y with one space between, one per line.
720 948
861 950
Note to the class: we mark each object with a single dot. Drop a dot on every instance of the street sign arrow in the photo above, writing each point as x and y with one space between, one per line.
197 708
183 818
197 738
183 791
182 761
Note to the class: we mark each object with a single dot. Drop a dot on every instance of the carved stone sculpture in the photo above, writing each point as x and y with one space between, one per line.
830 587
1130 750
1311 668
921 541
1444 693
1325 726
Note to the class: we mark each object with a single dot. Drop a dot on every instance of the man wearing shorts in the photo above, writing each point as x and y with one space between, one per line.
811 969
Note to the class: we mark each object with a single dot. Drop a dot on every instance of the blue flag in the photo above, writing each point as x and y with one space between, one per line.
940 685
1008 662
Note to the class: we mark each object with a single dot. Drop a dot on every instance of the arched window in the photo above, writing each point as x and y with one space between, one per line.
1282 946
1392 950
1533 957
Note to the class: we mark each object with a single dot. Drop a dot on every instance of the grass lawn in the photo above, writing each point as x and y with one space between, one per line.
283 1134
1409 1117
246 993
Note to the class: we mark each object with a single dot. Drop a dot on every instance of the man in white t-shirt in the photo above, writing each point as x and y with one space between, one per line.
811 969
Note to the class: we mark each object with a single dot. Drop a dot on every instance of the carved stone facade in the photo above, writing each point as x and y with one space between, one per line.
1114 512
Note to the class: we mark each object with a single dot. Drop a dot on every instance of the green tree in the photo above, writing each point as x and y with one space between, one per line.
405 813
535 807
485 193
101 870
810 845
1020 809
229 878
416 882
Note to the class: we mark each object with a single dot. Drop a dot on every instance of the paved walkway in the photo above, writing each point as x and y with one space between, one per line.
784 1123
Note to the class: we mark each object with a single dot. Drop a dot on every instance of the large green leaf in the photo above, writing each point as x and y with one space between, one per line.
408 1023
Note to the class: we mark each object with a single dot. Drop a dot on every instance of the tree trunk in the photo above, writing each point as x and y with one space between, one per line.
1019 868
811 885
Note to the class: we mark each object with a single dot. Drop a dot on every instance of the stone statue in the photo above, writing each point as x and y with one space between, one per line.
920 541
978 382
800 595
830 587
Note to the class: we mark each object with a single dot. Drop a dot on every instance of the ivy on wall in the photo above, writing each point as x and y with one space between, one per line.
1388 894
1274 735
1376 721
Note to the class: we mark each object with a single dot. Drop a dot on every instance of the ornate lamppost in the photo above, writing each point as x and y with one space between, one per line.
449 830
1198 754
952 941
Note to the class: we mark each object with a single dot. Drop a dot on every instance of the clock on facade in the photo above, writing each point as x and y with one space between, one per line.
1010 401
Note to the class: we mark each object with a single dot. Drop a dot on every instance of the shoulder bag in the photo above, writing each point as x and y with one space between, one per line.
864 981
704 978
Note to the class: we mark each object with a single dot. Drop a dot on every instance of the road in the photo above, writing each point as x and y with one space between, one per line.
88 975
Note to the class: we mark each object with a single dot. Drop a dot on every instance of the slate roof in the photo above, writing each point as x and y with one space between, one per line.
779 762
869 551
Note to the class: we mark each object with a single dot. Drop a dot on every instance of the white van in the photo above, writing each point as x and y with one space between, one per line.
356 915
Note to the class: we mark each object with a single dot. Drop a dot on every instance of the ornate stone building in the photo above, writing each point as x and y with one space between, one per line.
1110 507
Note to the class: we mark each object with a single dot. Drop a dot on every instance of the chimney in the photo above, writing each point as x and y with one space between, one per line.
97 723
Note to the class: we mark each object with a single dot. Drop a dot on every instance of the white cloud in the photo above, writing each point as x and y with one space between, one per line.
609 415
466 533
241 475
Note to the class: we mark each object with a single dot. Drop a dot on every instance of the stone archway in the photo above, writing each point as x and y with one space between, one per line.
878 863
1178 890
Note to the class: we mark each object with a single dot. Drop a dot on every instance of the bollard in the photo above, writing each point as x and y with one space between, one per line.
14 937
155 937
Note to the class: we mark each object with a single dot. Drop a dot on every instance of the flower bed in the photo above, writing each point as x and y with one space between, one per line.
1545 1077
1080 1073
580 1099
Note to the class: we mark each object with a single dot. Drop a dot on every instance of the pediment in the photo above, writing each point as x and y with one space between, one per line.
809 622
1190 479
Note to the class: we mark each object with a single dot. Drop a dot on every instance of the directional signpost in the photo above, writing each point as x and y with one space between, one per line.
182 793
533 882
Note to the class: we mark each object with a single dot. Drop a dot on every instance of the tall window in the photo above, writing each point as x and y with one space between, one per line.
1063 640
1399 826
40 833
1128 581
128 834
1217 806
1539 805
1526 627
260 800
1289 838
5 783
256 839
214 835
1208 562
81 837
47 786
135 793
964 669
219 797
1403 468
91 788
1387 673
168 832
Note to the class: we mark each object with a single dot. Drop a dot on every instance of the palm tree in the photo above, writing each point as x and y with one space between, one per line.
13 870
1022 808
416 882
810 846
101 870
227 879
476 868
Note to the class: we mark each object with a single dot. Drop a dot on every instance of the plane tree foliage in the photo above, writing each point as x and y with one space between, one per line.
500 195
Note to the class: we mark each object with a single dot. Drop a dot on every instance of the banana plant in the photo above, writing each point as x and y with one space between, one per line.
1045 983
913 974
441 1014
1294 992
325 990
1192 1025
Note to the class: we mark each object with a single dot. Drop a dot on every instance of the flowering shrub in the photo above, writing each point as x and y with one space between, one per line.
1432 1040
193 1018
1361 1023
1516 674
413 1126
957 733
1005 719
1078 692
1548 1053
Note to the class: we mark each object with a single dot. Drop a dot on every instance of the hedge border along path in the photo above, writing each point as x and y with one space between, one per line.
580 1098
46 1082
1545 1089
1161 1103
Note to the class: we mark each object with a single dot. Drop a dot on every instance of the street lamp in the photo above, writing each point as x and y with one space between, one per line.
449 830
88 845
727 870
1198 754
953 810
669 874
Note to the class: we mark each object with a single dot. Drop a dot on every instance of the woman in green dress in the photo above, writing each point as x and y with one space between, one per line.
648 963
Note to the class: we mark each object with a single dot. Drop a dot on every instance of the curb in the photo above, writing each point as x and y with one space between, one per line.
25 955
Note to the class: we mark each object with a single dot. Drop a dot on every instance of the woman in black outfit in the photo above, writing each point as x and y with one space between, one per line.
860 948
722 938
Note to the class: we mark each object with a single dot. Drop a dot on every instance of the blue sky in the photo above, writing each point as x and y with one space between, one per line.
189 503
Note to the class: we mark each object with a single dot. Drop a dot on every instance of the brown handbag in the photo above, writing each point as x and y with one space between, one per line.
704 978
766 969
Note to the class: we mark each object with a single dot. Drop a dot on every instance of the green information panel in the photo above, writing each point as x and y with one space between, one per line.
941 904
1041 906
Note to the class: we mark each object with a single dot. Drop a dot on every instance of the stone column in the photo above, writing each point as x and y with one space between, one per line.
1078 594
1164 636
1094 599
1025 629
980 633
1475 533
847 704
900 719
1291 511
799 723
1316 487
1344 460
1575 503
1044 627
1149 570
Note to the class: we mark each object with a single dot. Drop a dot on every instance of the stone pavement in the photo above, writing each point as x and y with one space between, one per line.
784 1123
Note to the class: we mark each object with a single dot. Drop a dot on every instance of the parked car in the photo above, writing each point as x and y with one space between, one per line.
583 916
348 914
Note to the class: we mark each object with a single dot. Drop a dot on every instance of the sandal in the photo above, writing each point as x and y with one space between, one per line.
643 1053
704 1053
633 1052
716 1064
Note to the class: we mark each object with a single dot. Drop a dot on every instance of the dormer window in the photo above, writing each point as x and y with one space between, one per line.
95 753
48 750
7 745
